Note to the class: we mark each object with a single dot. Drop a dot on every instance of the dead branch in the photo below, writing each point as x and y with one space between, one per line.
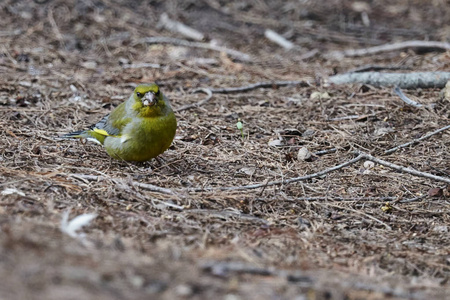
208 92
224 268
280 182
268 84
363 214
412 199
322 152
352 117
423 45
416 140
10 32
141 65
55 28
355 199
342 199
167 204
361 155
408 101
180 28
309 54
224 214
402 80
278 39
179 42
377 68
404 169
146 186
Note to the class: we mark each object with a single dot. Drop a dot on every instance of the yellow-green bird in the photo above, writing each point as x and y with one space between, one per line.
139 129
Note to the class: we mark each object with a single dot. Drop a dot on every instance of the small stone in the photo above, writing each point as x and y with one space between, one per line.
369 164
303 154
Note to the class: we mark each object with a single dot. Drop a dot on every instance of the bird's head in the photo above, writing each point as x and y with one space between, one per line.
148 100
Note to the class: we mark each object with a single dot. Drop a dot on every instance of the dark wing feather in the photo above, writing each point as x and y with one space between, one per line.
113 127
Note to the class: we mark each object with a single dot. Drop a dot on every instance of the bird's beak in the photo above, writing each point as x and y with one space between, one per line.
149 99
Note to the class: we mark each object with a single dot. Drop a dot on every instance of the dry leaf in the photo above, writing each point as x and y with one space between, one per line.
435 192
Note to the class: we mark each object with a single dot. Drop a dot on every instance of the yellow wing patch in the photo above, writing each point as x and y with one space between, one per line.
100 131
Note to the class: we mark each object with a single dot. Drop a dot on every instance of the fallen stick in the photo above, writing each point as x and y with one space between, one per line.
416 140
402 80
10 32
179 42
361 155
342 199
322 152
279 182
352 117
305 279
412 199
278 39
197 104
180 28
363 214
141 65
355 199
210 91
226 214
425 45
225 268
372 68
267 84
404 169
142 185
405 99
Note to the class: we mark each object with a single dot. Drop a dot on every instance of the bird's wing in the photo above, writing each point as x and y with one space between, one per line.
113 123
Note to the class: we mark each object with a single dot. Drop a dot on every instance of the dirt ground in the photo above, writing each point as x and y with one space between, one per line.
65 64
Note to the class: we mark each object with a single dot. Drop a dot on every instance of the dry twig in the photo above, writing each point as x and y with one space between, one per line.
278 39
408 101
404 169
14 32
353 117
363 214
179 42
413 199
224 268
210 91
291 180
141 65
329 170
389 47
197 104
402 80
322 152
342 199
376 68
180 28
224 214
268 84
142 185
417 140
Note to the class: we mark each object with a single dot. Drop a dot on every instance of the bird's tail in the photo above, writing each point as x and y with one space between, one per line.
75 134
83 134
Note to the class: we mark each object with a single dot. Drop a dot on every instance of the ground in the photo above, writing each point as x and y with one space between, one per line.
170 228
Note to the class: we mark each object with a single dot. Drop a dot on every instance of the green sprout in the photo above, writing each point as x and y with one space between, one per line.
240 127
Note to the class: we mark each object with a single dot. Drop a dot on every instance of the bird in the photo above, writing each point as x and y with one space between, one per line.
139 129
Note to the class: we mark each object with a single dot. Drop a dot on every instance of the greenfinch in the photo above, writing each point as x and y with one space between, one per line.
139 129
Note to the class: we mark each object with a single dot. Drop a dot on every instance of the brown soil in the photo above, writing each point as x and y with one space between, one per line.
64 65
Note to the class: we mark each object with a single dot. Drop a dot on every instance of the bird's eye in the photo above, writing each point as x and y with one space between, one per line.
157 93
139 94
